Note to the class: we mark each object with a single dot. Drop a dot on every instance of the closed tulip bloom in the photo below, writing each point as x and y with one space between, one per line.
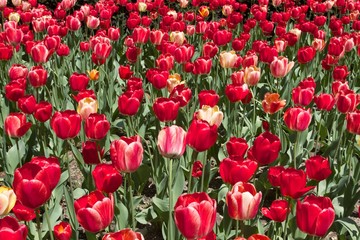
106 177
280 66
172 142
340 73
201 135
125 72
272 103
202 66
232 171
177 37
125 234
92 22
78 81
62 231
306 54
243 201
40 53
17 71
304 93
166 109
31 180
277 211
23 213
297 118
10 228
347 101
91 152
293 183
43 111
195 215
236 148
237 78
66 124
212 115
228 59
7 200
318 168
353 122
266 148
126 154
94 211
274 174
252 75
197 169
96 126
15 89
15 125
315 215
208 97
324 101
27 104
87 106
37 76
129 102
236 93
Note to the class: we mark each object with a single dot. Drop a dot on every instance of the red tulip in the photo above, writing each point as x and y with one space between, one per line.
17 71
23 213
27 104
78 81
195 215
184 53
347 101
129 102
141 34
91 152
324 101
318 168
62 231
126 154
101 52
125 234
197 169
113 33
166 109
236 148
181 94
92 22
277 211
11 229
256 236
43 111
6 52
353 122
63 50
157 36
37 76
95 211
236 93
201 136
172 142
243 201
72 23
306 54
209 50
293 183
208 97
202 66
125 72
52 168
106 177
315 215
40 53
304 93
266 148
15 125
340 73
96 126
297 118
232 171
165 62
14 36
66 124
15 89
274 174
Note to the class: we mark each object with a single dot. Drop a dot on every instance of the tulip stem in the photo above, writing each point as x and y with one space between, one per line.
318 135
296 148
170 201
38 224
254 112
132 209
237 228
192 160
203 173
18 151
286 221
48 222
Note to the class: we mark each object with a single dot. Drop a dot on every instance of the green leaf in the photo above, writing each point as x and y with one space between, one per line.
161 207
13 157
351 227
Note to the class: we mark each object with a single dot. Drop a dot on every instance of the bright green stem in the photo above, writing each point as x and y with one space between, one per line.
38 224
237 228
286 222
296 148
318 135
18 151
254 112
48 222
203 174
170 200
132 209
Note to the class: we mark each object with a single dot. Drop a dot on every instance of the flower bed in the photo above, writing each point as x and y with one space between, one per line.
180 120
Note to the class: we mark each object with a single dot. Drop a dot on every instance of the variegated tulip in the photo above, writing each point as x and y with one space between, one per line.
172 141
177 37
228 59
252 75
280 66
212 115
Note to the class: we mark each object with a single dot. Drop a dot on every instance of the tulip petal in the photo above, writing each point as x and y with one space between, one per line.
324 221
188 221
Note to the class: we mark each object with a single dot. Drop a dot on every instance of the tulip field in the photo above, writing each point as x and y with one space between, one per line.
180 119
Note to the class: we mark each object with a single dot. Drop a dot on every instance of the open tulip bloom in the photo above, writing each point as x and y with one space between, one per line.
179 119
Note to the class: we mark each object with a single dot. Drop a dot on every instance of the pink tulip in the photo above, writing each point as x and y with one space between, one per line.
280 66
172 141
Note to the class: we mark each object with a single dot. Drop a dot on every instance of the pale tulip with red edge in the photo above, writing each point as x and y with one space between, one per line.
280 66
172 141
